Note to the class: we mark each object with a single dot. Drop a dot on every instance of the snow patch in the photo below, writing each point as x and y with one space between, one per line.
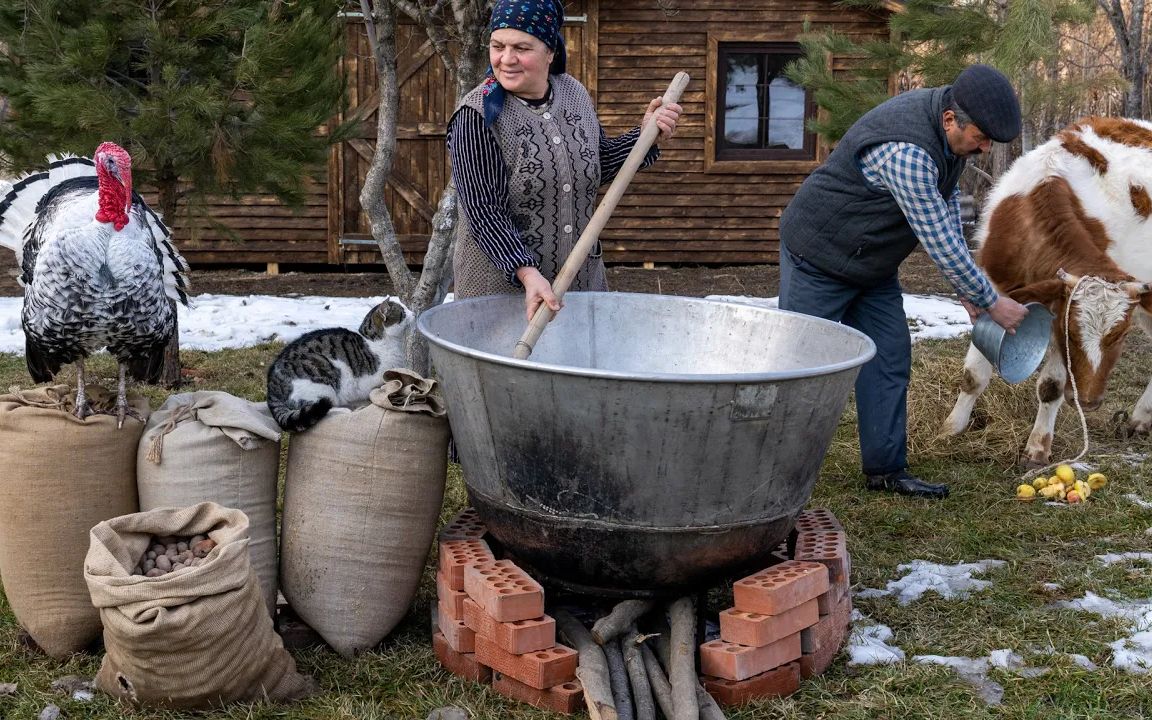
1115 558
869 643
1137 500
949 581
1133 653
930 317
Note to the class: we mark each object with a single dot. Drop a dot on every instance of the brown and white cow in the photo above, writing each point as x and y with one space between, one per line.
1074 214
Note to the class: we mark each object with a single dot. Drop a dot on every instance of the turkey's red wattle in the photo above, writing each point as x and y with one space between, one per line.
113 200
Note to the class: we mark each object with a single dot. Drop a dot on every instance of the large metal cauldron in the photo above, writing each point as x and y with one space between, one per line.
651 443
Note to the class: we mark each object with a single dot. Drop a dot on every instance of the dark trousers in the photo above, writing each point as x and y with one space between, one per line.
882 386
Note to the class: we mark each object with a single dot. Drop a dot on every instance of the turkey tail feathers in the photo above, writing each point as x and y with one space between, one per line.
18 207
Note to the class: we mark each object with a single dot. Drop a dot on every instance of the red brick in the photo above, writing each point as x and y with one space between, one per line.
830 548
467 525
460 637
822 643
724 659
455 555
505 591
567 698
463 665
758 630
452 600
541 669
815 520
844 584
780 587
777 683
518 636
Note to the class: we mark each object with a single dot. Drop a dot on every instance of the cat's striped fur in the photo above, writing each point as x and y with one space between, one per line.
336 366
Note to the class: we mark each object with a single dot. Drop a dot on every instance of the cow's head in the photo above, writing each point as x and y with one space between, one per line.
1093 317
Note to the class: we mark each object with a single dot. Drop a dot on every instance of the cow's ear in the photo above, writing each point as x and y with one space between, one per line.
1046 292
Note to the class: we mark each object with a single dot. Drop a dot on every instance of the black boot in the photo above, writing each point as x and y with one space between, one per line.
905 484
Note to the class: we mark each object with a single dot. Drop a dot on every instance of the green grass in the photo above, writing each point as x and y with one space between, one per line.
981 520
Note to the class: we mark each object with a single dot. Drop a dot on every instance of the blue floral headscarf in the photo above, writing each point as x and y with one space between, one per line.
541 19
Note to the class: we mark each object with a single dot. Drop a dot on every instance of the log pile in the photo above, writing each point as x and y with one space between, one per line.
642 659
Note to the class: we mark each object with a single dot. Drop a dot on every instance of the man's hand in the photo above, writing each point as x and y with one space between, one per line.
1007 313
537 290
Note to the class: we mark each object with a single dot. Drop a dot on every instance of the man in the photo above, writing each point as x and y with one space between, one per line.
890 184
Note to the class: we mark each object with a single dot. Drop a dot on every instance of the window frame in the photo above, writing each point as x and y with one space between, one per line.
758 160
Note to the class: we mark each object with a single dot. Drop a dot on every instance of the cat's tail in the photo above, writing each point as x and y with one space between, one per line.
296 416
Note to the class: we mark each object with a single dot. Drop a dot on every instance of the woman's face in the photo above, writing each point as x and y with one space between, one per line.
521 62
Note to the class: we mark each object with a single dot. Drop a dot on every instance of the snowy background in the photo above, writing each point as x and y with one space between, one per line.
216 322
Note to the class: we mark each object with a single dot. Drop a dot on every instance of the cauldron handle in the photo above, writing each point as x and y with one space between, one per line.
599 219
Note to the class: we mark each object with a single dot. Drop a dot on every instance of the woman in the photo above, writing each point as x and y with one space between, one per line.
528 155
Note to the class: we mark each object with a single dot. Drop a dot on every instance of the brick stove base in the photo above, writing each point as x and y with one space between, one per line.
788 622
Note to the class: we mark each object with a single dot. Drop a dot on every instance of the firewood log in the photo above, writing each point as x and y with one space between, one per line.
709 708
620 619
661 690
641 689
618 678
593 667
682 659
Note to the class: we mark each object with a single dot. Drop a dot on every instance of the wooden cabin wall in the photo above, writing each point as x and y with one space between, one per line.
681 210
255 229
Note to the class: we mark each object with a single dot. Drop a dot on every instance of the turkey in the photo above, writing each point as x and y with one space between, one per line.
98 269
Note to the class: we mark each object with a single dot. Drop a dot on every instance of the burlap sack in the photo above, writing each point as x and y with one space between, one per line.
214 447
193 639
59 476
362 497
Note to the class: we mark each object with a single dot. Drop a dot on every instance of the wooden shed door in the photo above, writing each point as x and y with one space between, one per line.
420 168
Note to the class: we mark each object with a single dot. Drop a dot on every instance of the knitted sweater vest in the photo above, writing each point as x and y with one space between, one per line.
553 159
845 227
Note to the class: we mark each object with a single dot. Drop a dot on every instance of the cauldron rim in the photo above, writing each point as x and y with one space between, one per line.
745 378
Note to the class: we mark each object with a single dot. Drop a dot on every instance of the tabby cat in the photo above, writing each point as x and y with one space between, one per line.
336 367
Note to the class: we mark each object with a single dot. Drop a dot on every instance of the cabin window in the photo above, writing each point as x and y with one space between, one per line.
760 113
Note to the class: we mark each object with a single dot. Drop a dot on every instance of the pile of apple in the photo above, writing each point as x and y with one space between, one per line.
1063 486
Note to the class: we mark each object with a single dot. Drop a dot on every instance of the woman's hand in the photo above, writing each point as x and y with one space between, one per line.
537 290
664 117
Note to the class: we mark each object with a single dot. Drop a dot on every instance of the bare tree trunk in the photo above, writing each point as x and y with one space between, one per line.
381 27
1134 55
467 35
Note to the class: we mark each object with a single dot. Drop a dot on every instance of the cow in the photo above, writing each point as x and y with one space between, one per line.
1070 226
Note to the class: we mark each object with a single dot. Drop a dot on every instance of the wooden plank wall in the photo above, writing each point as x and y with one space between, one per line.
420 162
255 229
679 210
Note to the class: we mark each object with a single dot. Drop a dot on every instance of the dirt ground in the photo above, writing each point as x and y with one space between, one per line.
918 275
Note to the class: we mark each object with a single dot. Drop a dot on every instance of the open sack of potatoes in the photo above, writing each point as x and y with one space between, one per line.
59 476
210 446
362 495
194 638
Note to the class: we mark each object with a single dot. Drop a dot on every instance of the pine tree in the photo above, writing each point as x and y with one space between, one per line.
208 97
933 41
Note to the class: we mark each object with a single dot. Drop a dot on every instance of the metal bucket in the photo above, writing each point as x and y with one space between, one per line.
651 443
1017 356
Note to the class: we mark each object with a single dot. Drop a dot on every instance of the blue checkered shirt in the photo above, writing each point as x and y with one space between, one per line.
909 173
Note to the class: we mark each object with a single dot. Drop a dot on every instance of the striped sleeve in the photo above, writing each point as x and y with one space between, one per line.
481 179
909 173
613 153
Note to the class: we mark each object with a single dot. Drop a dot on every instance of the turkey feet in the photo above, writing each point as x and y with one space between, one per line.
82 409
122 408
